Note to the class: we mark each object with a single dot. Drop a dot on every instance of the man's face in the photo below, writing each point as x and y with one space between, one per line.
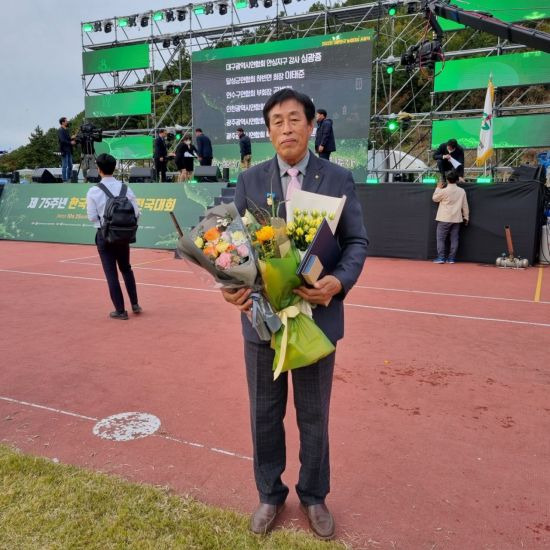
450 148
289 130
319 117
65 123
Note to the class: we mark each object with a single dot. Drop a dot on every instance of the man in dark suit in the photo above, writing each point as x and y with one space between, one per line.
160 155
66 143
289 116
324 138
443 155
204 148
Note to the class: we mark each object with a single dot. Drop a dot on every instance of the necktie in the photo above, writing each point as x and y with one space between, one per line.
294 183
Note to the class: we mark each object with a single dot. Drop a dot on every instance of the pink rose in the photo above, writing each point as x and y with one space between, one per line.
223 261
243 251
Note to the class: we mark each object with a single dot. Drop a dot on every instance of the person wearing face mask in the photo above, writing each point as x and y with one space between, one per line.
185 158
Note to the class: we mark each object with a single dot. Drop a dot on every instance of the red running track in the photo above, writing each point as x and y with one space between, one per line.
440 414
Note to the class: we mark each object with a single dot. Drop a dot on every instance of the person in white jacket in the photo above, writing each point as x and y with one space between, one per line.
451 213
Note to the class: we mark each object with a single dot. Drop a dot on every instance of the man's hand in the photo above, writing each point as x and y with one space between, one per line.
239 298
161 159
321 148
465 222
447 157
322 292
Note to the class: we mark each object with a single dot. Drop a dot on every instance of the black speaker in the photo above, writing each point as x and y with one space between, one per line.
526 172
140 174
93 176
207 173
225 173
43 175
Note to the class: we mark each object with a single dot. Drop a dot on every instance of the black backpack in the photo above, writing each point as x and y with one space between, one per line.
119 219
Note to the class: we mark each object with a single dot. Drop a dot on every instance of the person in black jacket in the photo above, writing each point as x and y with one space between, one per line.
443 155
185 158
66 143
204 148
246 149
160 155
324 138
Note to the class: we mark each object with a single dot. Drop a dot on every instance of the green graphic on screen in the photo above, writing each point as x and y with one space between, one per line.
231 86
125 104
510 11
121 58
518 69
127 147
509 132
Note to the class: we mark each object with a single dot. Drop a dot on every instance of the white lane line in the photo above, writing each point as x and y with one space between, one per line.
398 310
103 280
448 294
98 264
82 258
167 437
347 304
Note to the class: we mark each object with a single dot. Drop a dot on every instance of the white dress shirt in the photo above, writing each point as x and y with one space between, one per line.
96 199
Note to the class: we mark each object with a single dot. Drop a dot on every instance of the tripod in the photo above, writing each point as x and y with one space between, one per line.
87 158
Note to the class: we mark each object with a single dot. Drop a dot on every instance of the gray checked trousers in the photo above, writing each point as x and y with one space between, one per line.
312 386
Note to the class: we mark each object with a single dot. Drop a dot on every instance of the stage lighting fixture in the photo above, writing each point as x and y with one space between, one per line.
181 15
158 16
392 123
176 41
97 26
132 20
199 10
87 27
144 21
166 43
412 8
108 26
287 1
222 8
392 10
252 3
209 8
268 3
241 4
122 22
169 15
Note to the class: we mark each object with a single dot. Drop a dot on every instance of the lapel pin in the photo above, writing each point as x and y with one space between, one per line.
316 176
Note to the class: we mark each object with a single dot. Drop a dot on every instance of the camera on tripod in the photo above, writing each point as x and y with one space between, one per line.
87 135
423 55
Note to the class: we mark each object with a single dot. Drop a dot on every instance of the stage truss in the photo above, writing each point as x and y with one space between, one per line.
171 45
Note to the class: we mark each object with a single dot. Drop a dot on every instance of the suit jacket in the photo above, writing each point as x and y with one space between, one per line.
457 154
204 146
325 136
324 178
161 151
64 138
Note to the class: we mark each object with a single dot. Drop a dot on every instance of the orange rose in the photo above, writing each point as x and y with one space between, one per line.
212 234
211 251
266 233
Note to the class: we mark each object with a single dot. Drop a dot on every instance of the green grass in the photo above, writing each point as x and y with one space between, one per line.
44 505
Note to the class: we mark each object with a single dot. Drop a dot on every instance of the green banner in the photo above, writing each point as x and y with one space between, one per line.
518 69
120 58
126 104
510 131
57 212
278 46
510 11
127 147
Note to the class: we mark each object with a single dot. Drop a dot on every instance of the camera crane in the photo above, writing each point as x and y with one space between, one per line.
427 52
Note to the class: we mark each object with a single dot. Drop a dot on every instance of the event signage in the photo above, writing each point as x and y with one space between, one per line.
123 104
57 212
119 58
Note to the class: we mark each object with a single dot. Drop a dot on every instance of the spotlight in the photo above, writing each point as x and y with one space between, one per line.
122 22
108 26
132 20
97 26
176 41
392 124
287 1
411 8
87 27
169 15
268 3
252 3
222 8
209 8
392 10
144 22
158 16
166 43
181 15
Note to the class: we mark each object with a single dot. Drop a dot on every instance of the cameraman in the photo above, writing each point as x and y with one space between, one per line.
66 143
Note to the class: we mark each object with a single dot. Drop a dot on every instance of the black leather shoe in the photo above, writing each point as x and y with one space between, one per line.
121 315
320 520
136 308
263 518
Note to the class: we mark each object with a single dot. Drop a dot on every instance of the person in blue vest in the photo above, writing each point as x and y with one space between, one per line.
204 148
324 138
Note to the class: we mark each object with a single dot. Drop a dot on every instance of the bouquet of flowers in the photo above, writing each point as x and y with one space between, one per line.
220 244
304 226
299 342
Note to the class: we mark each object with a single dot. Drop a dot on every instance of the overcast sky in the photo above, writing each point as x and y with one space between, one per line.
41 56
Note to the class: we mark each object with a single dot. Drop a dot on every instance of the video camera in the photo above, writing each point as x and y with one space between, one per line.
423 54
87 135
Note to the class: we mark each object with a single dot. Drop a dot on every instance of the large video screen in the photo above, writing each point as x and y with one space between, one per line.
231 85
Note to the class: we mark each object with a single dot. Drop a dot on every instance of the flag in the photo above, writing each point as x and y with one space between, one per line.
485 147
